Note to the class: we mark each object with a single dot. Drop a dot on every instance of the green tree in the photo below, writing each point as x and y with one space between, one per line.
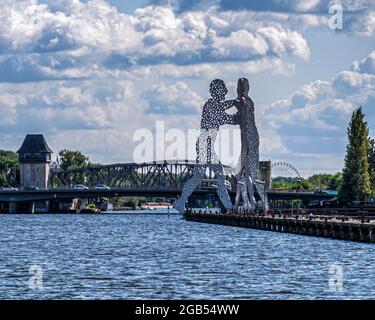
9 165
303 185
356 178
72 159
335 182
326 180
371 156
321 180
282 185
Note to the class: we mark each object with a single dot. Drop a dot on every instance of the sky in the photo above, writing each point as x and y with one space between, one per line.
90 74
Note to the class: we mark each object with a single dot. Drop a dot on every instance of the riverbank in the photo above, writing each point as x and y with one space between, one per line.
336 228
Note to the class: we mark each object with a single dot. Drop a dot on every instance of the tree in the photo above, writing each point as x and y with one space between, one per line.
371 157
72 159
326 180
281 185
303 185
356 178
335 182
321 180
9 165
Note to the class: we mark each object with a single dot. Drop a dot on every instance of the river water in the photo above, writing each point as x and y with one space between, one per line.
137 256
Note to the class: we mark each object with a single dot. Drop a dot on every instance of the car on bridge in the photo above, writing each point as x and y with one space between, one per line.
101 186
80 187
30 188
209 184
8 189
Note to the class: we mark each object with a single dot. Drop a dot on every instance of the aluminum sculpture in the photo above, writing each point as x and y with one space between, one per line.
213 116
248 165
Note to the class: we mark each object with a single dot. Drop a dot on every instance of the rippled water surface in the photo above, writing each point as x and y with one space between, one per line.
160 257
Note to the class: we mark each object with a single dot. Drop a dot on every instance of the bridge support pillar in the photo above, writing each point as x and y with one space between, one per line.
12 207
4 207
41 206
22 207
32 207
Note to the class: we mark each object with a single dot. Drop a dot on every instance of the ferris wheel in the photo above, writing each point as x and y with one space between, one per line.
284 170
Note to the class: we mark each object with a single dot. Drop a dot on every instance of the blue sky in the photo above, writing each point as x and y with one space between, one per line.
88 74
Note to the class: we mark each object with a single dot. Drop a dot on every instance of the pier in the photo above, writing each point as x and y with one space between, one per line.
342 228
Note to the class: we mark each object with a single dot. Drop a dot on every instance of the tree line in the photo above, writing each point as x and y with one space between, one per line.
316 181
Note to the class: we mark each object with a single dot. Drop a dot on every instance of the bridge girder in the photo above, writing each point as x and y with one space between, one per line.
154 175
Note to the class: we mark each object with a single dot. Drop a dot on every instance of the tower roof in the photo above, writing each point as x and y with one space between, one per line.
34 143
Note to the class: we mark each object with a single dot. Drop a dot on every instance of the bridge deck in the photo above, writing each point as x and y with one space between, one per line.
66 194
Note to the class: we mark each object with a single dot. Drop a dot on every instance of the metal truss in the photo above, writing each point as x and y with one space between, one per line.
153 175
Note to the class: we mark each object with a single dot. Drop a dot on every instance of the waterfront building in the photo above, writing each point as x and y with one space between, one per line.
35 158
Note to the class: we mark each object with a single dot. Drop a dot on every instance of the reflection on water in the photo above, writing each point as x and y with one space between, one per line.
160 256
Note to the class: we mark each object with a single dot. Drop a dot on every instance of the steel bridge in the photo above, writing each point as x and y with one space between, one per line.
157 175
153 179
69 194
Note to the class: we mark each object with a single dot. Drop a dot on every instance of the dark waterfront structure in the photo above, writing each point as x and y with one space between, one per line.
24 201
341 228
35 158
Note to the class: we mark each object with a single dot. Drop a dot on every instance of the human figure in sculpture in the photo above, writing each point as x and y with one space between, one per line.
213 116
247 175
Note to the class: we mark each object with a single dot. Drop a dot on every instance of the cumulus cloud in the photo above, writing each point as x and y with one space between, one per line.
266 40
35 67
97 116
287 6
314 118
172 99
367 65
237 69
65 105
80 40
359 15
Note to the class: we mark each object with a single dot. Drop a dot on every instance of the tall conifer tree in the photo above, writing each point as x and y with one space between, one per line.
356 183
371 157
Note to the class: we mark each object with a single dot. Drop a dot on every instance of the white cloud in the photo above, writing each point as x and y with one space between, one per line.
213 70
66 105
79 40
367 65
306 5
173 99
362 24
314 118
241 43
359 15
351 82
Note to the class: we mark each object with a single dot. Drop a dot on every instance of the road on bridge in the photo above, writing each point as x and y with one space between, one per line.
67 194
